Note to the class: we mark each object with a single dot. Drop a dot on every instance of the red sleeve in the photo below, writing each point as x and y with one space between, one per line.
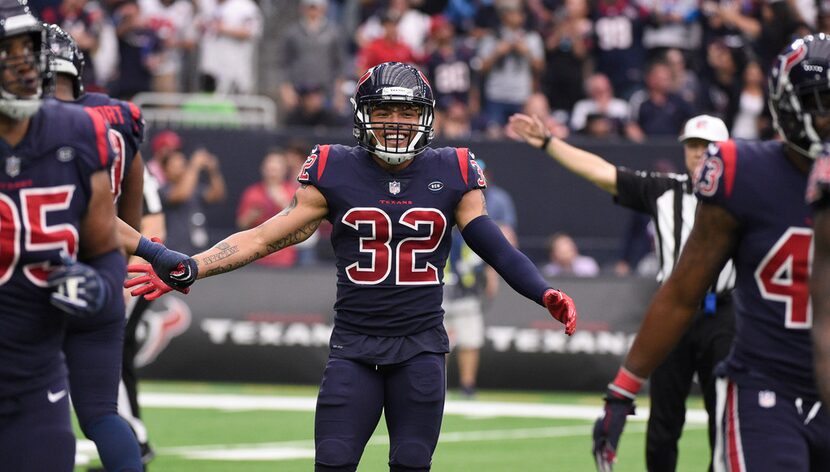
101 141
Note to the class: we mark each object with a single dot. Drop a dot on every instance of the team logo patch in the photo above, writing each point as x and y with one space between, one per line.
708 175
394 187
66 154
435 186
766 399
13 166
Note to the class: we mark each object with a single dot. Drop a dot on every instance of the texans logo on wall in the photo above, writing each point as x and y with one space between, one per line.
167 318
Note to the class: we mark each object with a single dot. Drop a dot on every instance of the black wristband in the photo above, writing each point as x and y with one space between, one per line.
545 142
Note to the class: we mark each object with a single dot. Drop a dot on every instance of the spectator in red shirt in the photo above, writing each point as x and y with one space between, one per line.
386 48
264 199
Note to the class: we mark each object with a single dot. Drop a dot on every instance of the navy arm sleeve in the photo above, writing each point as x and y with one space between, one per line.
486 239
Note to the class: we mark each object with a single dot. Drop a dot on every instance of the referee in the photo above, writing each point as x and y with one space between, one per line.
670 202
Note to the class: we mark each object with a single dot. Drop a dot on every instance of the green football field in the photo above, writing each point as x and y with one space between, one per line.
226 427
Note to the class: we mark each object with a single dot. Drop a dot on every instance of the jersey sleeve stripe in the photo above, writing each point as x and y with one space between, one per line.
134 111
100 135
321 163
463 158
729 154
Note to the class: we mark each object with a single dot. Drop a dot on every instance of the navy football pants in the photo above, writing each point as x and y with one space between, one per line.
35 431
93 350
761 430
352 397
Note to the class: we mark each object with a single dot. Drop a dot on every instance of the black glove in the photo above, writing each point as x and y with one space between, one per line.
175 269
619 403
79 290
608 429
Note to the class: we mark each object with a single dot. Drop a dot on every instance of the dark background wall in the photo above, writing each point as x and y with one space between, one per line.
269 325
548 198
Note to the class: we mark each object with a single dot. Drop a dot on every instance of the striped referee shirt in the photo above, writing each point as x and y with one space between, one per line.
152 199
670 201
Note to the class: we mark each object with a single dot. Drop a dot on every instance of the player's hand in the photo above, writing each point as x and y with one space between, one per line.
149 284
529 128
175 269
608 429
561 308
79 289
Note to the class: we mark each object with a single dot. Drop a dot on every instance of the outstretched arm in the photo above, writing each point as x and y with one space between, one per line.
170 269
820 293
294 224
589 166
485 238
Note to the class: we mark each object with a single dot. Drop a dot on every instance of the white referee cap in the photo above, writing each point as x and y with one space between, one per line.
705 127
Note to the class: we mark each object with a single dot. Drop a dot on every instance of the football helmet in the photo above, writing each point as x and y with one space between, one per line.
15 20
799 90
65 57
393 83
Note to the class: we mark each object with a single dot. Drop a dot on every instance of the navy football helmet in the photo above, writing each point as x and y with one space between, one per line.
15 20
799 90
65 57
393 83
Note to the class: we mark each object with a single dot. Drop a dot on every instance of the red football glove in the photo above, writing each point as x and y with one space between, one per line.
149 284
561 308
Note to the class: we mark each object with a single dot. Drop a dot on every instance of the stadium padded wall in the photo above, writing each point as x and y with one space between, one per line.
270 325
548 198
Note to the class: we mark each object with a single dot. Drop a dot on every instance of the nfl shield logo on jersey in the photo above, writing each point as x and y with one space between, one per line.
766 399
394 187
13 166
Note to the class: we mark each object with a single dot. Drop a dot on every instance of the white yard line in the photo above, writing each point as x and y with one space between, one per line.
304 449
291 450
463 408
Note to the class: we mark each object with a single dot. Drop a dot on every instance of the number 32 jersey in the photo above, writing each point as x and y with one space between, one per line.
44 195
764 191
391 233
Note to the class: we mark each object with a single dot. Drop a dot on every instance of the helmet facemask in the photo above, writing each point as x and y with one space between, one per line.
401 141
21 78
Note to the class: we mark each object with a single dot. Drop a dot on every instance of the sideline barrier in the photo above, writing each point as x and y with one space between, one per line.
267 325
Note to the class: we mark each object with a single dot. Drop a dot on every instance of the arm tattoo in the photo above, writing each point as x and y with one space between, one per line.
229 267
293 203
297 236
225 251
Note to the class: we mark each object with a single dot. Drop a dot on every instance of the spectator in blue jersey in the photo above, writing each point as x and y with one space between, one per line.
620 56
656 109
393 202
449 64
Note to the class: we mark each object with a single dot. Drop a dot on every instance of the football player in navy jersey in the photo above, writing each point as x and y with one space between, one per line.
59 257
393 202
818 195
752 210
94 350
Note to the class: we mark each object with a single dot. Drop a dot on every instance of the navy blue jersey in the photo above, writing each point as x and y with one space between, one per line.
44 193
126 132
764 191
391 233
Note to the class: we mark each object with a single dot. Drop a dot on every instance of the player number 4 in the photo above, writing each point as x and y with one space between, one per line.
784 273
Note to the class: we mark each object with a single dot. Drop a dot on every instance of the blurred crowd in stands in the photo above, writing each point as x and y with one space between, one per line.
609 69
